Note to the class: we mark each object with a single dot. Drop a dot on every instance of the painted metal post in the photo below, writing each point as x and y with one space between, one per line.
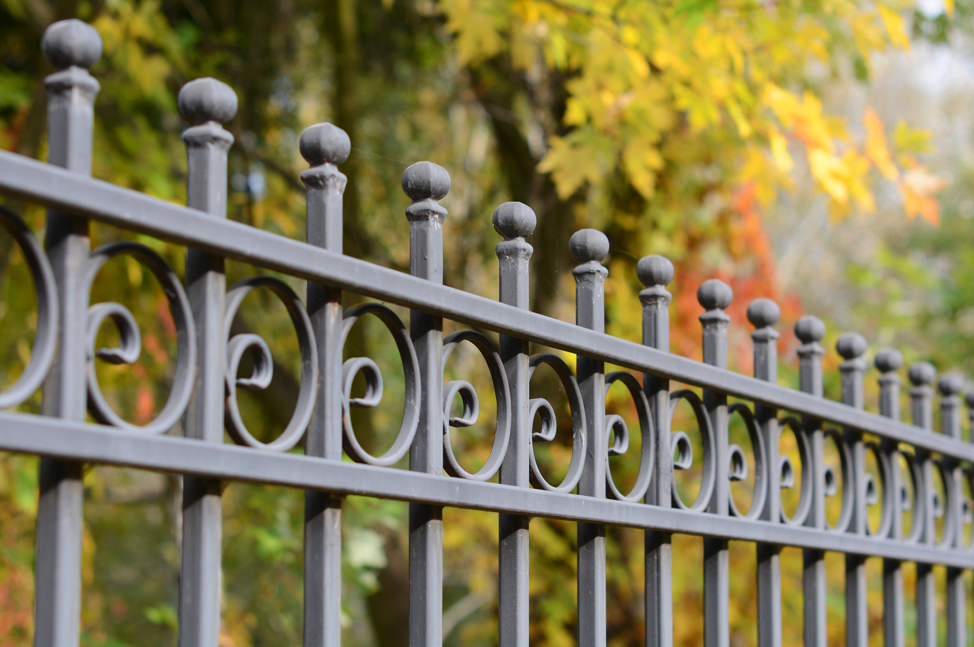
656 272
515 222
888 361
851 347
324 146
950 387
426 184
922 375
73 47
763 315
205 103
715 296
810 330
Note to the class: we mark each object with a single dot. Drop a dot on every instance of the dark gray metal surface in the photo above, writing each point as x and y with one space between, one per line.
206 381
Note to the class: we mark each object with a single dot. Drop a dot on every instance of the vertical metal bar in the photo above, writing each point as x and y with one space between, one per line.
950 387
206 103
72 46
810 330
515 222
763 315
715 296
324 146
922 374
589 247
656 272
888 361
851 346
426 183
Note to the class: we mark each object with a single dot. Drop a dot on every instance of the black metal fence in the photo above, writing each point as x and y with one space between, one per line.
204 399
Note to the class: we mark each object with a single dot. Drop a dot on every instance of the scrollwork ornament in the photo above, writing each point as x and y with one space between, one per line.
617 425
946 509
471 408
130 339
45 338
680 442
848 479
788 473
887 503
373 386
263 371
917 505
760 463
543 408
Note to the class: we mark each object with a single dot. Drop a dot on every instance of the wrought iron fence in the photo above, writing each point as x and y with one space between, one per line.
204 398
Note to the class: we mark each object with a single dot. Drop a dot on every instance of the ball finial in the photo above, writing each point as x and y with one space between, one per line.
654 271
588 245
514 220
889 360
809 329
324 143
969 398
763 313
425 181
714 294
922 373
71 42
204 100
851 345
950 384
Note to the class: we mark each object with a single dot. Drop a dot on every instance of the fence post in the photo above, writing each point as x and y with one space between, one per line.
922 374
810 330
426 184
656 272
715 296
851 347
888 361
73 47
589 247
515 222
950 386
205 103
324 146
763 315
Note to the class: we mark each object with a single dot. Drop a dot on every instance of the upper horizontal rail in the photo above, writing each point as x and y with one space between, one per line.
70 193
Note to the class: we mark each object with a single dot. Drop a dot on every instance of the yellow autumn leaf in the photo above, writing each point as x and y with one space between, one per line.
895 27
779 151
917 188
830 172
876 149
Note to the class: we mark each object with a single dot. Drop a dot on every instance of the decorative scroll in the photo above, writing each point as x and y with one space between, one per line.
541 407
946 509
787 474
130 339
918 504
680 442
45 339
373 386
887 509
738 463
263 371
471 406
620 446
848 481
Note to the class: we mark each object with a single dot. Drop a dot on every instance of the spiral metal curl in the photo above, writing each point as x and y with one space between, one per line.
945 509
681 443
888 497
260 378
848 481
788 470
373 387
967 509
738 467
45 339
130 339
540 406
471 407
918 504
617 425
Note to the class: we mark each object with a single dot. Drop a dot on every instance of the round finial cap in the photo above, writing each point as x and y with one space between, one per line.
714 294
425 181
951 384
206 99
922 373
889 360
763 313
809 329
324 143
71 42
851 345
588 245
969 398
654 270
514 220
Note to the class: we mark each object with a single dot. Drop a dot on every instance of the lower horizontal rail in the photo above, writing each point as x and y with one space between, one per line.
73 441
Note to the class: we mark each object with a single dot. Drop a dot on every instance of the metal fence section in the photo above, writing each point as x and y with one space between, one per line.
206 380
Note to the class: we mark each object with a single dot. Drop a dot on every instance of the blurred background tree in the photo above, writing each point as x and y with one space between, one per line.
798 150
